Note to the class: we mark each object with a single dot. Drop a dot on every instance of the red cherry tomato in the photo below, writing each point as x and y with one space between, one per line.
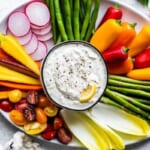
21 105
58 123
6 105
49 133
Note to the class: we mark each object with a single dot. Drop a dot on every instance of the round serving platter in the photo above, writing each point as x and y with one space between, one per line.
129 14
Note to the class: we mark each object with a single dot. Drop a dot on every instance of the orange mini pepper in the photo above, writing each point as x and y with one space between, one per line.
127 35
140 42
106 34
121 68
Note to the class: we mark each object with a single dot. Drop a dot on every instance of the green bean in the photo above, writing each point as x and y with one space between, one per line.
86 19
76 21
68 23
60 20
59 39
93 20
47 2
53 19
82 12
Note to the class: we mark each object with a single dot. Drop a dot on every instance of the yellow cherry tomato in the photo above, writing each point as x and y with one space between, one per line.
41 117
15 95
17 117
34 128
51 111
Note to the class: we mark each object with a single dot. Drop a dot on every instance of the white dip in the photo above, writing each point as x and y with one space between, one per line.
69 69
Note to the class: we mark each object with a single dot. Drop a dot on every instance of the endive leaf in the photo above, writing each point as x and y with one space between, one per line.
120 120
115 140
84 131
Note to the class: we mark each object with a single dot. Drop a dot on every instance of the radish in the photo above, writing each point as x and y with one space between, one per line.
39 27
32 45
22 39
18 24
38 13
45 37
50 44
42 31
40 52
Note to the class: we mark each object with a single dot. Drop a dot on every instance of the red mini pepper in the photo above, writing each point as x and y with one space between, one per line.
142 60
112 12
116 54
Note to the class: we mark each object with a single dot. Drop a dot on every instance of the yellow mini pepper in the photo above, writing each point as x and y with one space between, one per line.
106 34
140 42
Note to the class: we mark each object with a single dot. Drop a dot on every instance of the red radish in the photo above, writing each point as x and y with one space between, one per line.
42 31
40 52
38 13
32 45
22 39
45 37
49 44
40 27
18 24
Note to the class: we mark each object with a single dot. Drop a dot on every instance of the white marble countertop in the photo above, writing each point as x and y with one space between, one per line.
7 130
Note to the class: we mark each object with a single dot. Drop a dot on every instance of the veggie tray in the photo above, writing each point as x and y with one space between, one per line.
122 115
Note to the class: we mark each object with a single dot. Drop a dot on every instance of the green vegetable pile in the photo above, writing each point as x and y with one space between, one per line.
144 2
128 94
73 19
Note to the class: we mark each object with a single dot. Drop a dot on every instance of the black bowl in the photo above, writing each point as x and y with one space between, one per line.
51 89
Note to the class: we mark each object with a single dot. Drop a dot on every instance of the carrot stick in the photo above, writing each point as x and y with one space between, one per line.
20 86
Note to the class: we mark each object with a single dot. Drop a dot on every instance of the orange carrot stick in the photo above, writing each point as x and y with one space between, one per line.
20 86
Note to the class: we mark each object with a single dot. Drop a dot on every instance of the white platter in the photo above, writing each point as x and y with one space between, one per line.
129 14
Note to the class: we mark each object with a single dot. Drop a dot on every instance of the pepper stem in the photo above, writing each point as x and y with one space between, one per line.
118 21
116 6
125 49
132 25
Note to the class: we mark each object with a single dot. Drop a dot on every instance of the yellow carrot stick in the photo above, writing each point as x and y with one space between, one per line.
13 48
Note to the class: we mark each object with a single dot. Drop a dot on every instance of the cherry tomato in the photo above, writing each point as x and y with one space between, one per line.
43 101
64 135
15 95
51 111
6 105
34 128
49 135
21 105
58 123
29 113
41 117
17 117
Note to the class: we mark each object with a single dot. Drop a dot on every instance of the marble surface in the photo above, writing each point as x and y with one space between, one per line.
7 130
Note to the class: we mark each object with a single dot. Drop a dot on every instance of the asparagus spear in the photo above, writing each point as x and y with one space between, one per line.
133 101
128 91
128 85
128 80
124 102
